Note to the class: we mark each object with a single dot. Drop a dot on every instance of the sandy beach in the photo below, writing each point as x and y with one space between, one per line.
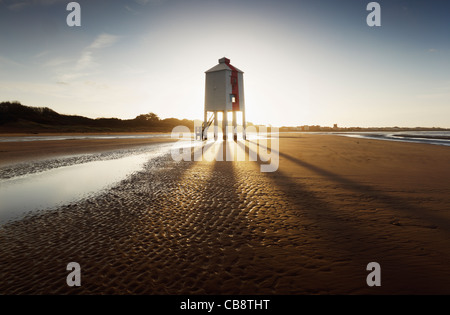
26 151
214 227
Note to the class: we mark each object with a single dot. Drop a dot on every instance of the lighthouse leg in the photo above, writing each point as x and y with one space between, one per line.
204 131
225 124
234 126
216 126
244 126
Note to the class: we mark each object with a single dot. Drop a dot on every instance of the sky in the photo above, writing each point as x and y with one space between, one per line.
311 62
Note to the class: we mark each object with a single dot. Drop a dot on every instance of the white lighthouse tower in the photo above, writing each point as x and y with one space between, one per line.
224 92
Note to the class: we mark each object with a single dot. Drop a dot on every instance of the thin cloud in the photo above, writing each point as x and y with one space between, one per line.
55 62
142 2
131 10
145 2
18 6
41 54
73 76
48 2
103 41
86 63
8 62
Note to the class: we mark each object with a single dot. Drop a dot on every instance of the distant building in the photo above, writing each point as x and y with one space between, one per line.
335 126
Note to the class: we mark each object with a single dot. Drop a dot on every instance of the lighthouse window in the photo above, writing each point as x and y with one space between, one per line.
233 98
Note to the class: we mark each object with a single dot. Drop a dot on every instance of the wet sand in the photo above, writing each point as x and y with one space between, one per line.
26 151
334 205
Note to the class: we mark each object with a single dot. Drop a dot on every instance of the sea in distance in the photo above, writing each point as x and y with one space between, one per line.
430 137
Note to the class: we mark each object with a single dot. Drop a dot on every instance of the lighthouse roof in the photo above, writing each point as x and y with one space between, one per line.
224 64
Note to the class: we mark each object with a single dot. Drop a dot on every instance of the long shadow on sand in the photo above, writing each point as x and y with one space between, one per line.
394 203
108 235
353 242
228 257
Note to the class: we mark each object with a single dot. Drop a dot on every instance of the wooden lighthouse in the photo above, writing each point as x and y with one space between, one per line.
224 92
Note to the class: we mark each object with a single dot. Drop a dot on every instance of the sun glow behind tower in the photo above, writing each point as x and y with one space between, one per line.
306 62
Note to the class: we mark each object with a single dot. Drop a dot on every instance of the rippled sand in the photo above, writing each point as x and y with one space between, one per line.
334 205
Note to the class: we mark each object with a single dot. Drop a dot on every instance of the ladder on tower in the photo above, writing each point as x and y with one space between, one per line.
205 127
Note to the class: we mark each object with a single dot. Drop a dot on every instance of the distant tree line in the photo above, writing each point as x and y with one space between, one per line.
15 117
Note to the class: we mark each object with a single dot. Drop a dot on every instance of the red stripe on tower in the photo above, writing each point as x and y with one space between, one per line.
234 85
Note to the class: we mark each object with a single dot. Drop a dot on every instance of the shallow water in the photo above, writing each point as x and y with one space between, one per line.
52 183
250 135
429 137
66 184
81 137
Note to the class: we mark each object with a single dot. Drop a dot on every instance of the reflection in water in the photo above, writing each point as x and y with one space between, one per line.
56 187
63 185
429 137
81 137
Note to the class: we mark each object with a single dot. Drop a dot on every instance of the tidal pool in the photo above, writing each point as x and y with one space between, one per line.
63 185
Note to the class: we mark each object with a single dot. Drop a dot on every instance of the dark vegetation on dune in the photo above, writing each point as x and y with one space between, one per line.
15 117
18 118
